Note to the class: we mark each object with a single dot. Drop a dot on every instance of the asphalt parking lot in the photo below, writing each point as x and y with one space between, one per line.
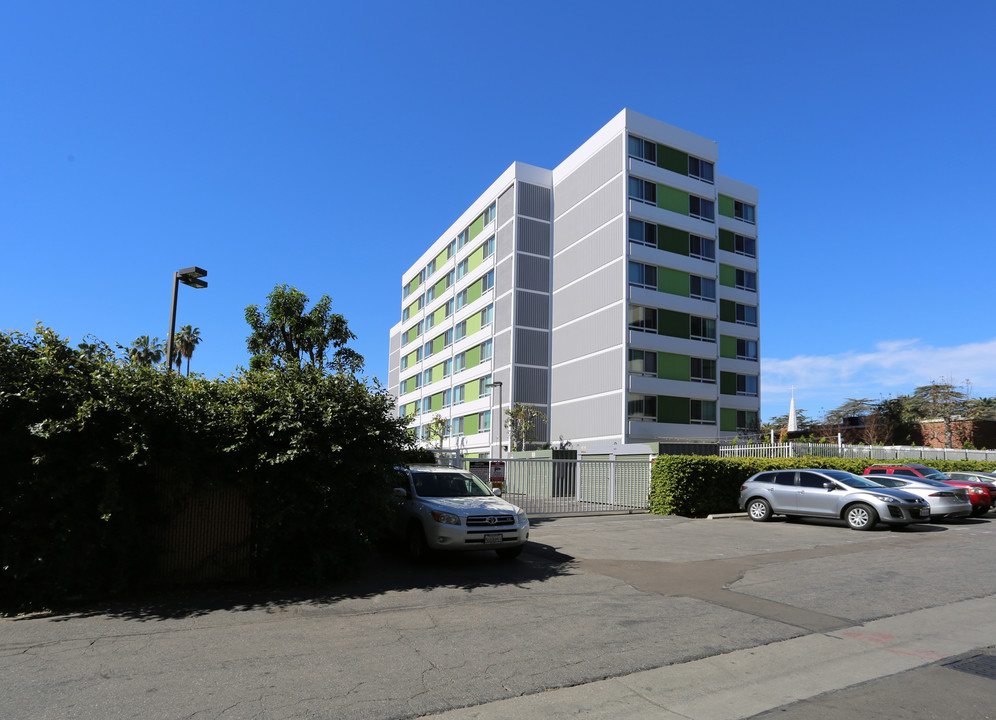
602 617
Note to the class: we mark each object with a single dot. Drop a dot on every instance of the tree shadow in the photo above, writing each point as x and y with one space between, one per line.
385 571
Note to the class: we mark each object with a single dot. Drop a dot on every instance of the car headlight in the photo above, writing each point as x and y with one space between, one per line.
885 498
520 517
445 518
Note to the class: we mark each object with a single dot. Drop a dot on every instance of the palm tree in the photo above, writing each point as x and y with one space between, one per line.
185 342
145 352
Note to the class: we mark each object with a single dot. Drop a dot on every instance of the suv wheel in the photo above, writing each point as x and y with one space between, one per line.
860 517
759 510
417 547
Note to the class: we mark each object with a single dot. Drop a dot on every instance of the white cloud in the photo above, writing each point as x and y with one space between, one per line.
894 367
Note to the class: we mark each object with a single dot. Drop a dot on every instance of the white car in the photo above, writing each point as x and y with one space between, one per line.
443 508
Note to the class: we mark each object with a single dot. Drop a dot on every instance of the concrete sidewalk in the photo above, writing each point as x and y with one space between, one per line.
820 675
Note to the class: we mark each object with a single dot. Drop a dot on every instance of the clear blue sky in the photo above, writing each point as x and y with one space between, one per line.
325 145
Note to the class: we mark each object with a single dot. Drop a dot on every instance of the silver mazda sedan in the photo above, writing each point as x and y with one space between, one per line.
860 502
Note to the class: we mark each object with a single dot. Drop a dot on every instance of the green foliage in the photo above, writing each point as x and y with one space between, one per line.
696 486
284 335
520 421
437 429
89 443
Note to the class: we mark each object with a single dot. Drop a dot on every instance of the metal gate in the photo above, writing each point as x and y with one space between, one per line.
555 487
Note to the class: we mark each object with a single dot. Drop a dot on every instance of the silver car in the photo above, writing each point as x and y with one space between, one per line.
444 508
946 501
860 502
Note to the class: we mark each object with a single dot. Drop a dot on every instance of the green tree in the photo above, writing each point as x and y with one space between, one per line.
941 401
145 352
286 335
185 342
438 429
520 421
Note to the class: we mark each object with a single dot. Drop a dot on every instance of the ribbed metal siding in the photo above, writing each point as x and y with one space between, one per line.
503 313
532 347
593 212
532 310
503 276
534 236
602 167
531 386
596 291
592 417
532 273
534 201
393 372
597 332
502 349
595 251
504 243
506 206
591 375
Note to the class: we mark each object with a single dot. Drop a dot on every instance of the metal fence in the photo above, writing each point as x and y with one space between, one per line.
555 487
870 452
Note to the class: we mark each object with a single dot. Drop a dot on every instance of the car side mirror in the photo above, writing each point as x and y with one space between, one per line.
400 493
496 492
830 485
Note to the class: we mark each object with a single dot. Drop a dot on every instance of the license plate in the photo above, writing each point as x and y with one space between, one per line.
492 539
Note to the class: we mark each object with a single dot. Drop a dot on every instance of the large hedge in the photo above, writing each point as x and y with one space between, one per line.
85 440
696 486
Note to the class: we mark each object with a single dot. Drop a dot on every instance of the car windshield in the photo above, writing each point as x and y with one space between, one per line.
932 474
887 481
851 480
448 484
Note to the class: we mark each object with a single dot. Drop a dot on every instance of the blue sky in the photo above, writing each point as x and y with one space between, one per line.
326 144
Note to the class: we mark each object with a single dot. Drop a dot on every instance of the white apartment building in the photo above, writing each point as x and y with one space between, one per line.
617 294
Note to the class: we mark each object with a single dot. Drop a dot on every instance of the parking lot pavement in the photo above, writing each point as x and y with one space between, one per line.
621 616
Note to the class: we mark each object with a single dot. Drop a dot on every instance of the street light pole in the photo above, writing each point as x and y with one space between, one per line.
497 384
190 277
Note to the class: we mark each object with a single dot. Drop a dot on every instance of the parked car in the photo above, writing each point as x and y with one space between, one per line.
974 476
860 502
946 501
444 508
978 492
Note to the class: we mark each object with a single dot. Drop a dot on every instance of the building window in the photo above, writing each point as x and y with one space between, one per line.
447 398
430 320
430 268
459 363
488 281
487 315
427 377
457 426
418 354
447 367
405 314
643 233
701 328
642 149
461 298
489 246
701 169
483 389
702 412
448 308
747 385
404 362
458 394
746 349
702 248
430 293
641 275
743 211
701 288
462 239
490 214
643 362
746 280
460 331
427 349
746 315
486 349
448 338
643 190
642 318
642 407
745 245
747 420
451 249
462 268
484 421
703 370
426 404
701 208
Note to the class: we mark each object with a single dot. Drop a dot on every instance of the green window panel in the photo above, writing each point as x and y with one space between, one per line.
672 239
473 324
727 383
439 315
474 292
412 357
727 241
673 367
673 324
416 281
727 311
669 198
727 275
474 357
437 373
476 258
439 288
727 419
437 402
470 424
726 206
412 309
727 346
442 257
437 344
673 410
476 227
410 409
671 159
672 281
472 391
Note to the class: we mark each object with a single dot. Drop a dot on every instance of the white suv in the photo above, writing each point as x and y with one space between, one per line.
443 508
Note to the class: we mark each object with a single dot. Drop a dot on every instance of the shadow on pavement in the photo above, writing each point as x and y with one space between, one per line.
385 571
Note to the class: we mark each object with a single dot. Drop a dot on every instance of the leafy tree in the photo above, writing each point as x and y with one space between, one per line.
520 421
286 335
185 342
943 401
438 429
145 352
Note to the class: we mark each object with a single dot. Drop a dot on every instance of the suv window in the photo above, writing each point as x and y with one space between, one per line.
904 472
785 478
811 480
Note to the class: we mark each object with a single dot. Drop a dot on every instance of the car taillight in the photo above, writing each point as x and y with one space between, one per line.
943 493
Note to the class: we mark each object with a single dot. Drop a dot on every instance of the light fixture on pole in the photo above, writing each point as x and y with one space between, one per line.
497 384
191 277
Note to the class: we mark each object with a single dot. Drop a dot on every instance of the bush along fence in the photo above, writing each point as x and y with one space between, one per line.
696 486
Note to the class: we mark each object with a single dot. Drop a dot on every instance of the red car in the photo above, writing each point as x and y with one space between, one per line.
978 492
